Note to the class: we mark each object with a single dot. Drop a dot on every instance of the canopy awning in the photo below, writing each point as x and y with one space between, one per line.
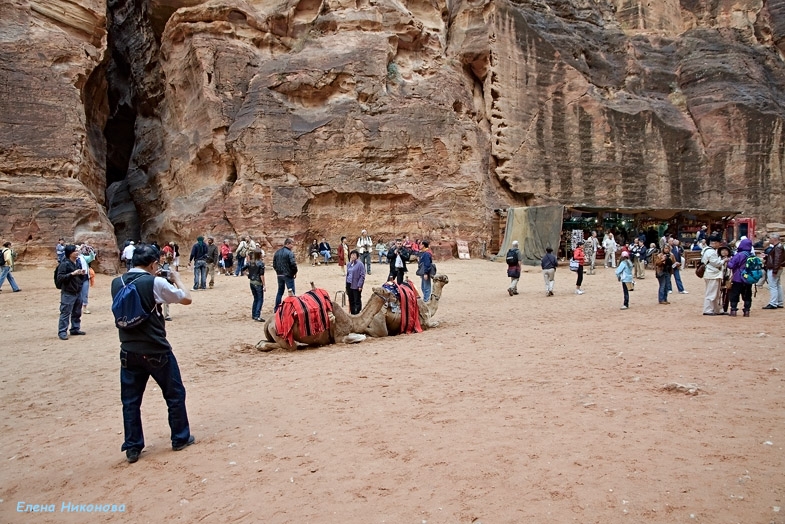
662 214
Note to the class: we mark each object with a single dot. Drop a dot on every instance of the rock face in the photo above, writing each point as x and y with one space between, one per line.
52 115
319 118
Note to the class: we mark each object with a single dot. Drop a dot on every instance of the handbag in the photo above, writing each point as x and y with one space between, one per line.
630 286
700 270
574 264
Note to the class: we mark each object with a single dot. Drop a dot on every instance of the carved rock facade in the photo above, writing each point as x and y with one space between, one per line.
318 118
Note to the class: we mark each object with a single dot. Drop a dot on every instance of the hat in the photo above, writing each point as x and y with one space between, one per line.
703 227
70 248
625 254
131 243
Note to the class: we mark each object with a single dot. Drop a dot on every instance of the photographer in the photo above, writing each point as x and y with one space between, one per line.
145 352
397 256
69 279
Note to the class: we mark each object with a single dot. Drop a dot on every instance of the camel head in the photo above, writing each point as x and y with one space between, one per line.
441 278
384 293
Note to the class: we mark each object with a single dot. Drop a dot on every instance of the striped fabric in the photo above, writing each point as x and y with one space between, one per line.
410 311
311 311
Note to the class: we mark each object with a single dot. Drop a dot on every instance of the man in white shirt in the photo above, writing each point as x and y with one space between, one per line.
128 255
364 247
609 244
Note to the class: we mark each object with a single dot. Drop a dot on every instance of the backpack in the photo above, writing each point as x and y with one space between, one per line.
127 306
242 251
512 257
2 257
753 269
58 285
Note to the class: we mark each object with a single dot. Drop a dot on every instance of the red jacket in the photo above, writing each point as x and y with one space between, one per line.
579 255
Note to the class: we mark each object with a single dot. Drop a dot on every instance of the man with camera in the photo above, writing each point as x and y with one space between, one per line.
69 278
398 256
145 352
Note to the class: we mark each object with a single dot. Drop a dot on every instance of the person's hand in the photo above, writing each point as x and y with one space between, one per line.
425 276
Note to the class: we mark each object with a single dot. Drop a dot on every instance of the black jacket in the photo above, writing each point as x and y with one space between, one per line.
71 284
284 263
393 253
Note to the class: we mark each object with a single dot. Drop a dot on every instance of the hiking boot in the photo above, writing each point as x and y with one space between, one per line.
509 290
132 455
181 447
733 312
746 313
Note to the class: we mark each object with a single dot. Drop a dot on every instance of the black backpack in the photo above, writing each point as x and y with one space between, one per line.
512 257
58 285
2 257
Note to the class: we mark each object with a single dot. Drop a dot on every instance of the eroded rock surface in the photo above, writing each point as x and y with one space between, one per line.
317 118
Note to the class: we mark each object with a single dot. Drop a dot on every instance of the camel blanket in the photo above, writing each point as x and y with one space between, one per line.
410 311
310 310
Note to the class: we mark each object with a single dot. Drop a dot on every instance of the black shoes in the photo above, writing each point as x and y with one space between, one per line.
132 455
181 447
769 306
78 332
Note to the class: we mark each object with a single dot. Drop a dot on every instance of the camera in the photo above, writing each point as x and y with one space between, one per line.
164 273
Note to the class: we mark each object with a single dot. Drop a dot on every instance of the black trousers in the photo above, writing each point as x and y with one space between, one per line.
743 290
355 299
580 277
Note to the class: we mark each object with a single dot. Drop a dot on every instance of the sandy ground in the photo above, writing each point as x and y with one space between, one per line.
515 409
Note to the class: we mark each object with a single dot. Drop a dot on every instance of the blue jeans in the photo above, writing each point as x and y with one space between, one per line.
664 280
426 288
200 274
283 281
85 291
775 287
258 299
240 266
326 255
5 273
70 310
135 370
677 278
626 294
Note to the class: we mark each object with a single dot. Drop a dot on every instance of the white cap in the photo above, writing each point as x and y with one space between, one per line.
131 243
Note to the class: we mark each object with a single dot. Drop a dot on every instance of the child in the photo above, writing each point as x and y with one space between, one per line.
166 263
624 275
256 276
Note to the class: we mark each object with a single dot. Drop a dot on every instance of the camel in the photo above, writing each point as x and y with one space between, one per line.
427 310
344 328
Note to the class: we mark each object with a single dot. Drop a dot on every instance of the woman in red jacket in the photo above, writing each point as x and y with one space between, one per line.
580 257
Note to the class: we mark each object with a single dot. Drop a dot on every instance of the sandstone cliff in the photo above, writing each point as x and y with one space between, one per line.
311 118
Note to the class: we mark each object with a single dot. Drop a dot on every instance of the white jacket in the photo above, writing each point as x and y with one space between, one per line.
714 264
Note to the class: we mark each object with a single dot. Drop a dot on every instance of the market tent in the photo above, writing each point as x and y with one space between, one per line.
662 214
535 228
